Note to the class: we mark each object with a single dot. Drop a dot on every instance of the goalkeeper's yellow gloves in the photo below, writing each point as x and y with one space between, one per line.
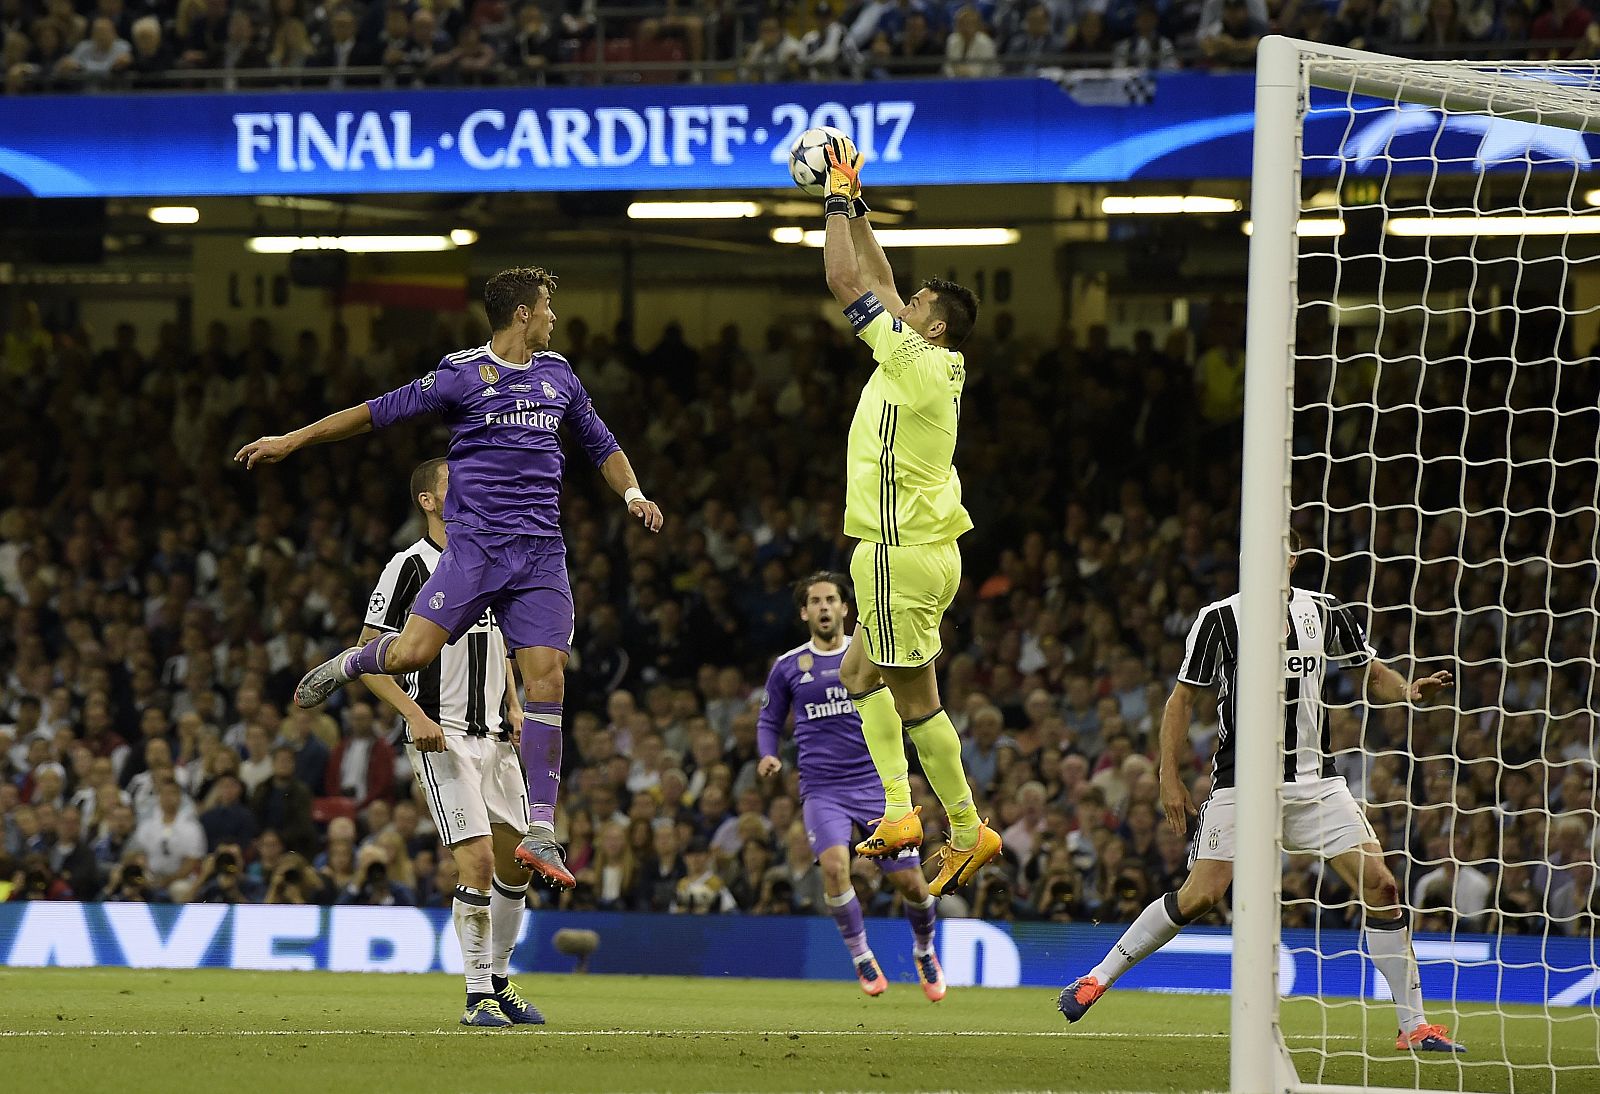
844 179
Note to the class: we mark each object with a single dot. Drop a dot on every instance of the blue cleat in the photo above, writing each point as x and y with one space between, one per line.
514 1006
485 1014
1428 1038
1077 997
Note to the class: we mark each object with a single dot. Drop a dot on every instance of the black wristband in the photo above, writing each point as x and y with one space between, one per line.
859 208
836 205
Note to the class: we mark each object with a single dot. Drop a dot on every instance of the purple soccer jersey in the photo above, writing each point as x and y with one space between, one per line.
827 730
839 787
505 452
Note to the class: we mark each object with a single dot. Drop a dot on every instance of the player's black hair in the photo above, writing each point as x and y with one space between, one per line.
957 306
802 588
1296 543
508 288
424 479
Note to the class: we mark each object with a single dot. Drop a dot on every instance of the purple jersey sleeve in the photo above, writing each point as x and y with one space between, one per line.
430 394
775 703
592 433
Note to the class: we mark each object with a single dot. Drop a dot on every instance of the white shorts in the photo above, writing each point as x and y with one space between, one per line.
474 783
1321 818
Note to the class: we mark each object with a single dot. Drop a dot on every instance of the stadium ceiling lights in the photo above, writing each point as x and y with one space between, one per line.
1167 205
911 237
1461 227
693 210
282 245
175 214
1307 228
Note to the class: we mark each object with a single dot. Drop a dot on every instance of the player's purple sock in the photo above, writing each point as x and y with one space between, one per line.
846 911
922 922
368 660
541 759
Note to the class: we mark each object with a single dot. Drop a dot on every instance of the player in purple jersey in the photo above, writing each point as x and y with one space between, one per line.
839 786
504 402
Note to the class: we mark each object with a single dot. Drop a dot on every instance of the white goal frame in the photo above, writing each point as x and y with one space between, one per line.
1286 69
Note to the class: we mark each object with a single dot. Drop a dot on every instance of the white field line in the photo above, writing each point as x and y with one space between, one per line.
786 1033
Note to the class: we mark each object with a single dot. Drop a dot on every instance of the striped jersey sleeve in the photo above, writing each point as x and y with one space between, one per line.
397 588
1202 654
1347 638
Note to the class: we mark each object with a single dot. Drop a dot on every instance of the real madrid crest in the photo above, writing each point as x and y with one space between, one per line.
489 373
805 661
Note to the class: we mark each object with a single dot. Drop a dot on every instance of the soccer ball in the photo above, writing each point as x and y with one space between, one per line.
808 159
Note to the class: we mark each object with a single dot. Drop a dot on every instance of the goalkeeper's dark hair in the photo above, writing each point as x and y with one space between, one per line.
508 288
957 306
425 480
802 588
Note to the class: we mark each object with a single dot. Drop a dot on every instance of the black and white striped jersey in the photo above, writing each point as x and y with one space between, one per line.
465 689
1318 629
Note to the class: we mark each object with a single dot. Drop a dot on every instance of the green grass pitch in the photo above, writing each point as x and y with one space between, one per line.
214 1030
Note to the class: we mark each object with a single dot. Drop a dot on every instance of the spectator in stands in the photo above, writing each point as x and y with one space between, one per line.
1146 47
826 49
98 57
202 28
536 46
150 59
340 50
774 56
1229 31
283 803
1566 24
291 48
172 843
361 766
1090 39
969 51
1034 43
470 61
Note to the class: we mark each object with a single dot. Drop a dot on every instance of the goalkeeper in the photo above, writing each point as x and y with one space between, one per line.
903 503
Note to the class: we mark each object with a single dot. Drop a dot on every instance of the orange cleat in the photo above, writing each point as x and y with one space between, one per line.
958 866
931 975
889 838
1427 1038
1077 997
871 976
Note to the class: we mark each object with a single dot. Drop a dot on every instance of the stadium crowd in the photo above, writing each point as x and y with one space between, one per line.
64 45
157 606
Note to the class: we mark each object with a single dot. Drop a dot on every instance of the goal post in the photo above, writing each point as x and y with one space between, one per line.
1423 259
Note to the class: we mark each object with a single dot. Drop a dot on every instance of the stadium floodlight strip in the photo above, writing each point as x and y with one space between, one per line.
1307 227
693 210
1463 227
910 237
175 214
377 244
1167 205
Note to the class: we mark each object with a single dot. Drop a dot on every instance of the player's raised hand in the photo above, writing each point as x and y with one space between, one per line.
769 766
647 511
264 450
844 170
1425 688
427 735
1177 804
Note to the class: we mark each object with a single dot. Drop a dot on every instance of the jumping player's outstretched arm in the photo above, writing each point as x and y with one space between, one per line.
1388 686
338 426
430 394
874 265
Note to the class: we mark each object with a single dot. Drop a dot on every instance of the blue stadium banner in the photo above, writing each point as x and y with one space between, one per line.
1092 128
1480 969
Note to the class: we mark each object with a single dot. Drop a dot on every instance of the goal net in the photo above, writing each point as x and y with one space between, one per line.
1423 409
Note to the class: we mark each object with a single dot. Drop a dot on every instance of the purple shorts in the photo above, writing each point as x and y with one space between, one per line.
831 821
523 579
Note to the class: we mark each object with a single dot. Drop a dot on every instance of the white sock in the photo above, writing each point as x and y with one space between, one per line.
1156 926
1391 952
506 905
471 913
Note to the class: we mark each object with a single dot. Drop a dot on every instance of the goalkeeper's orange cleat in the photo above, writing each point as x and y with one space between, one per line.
844 170
889 838
1428 1038
957 866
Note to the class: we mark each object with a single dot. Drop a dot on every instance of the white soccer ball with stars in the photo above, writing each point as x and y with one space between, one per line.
808 159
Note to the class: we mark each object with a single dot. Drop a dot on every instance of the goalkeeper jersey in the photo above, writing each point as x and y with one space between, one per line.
901 484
